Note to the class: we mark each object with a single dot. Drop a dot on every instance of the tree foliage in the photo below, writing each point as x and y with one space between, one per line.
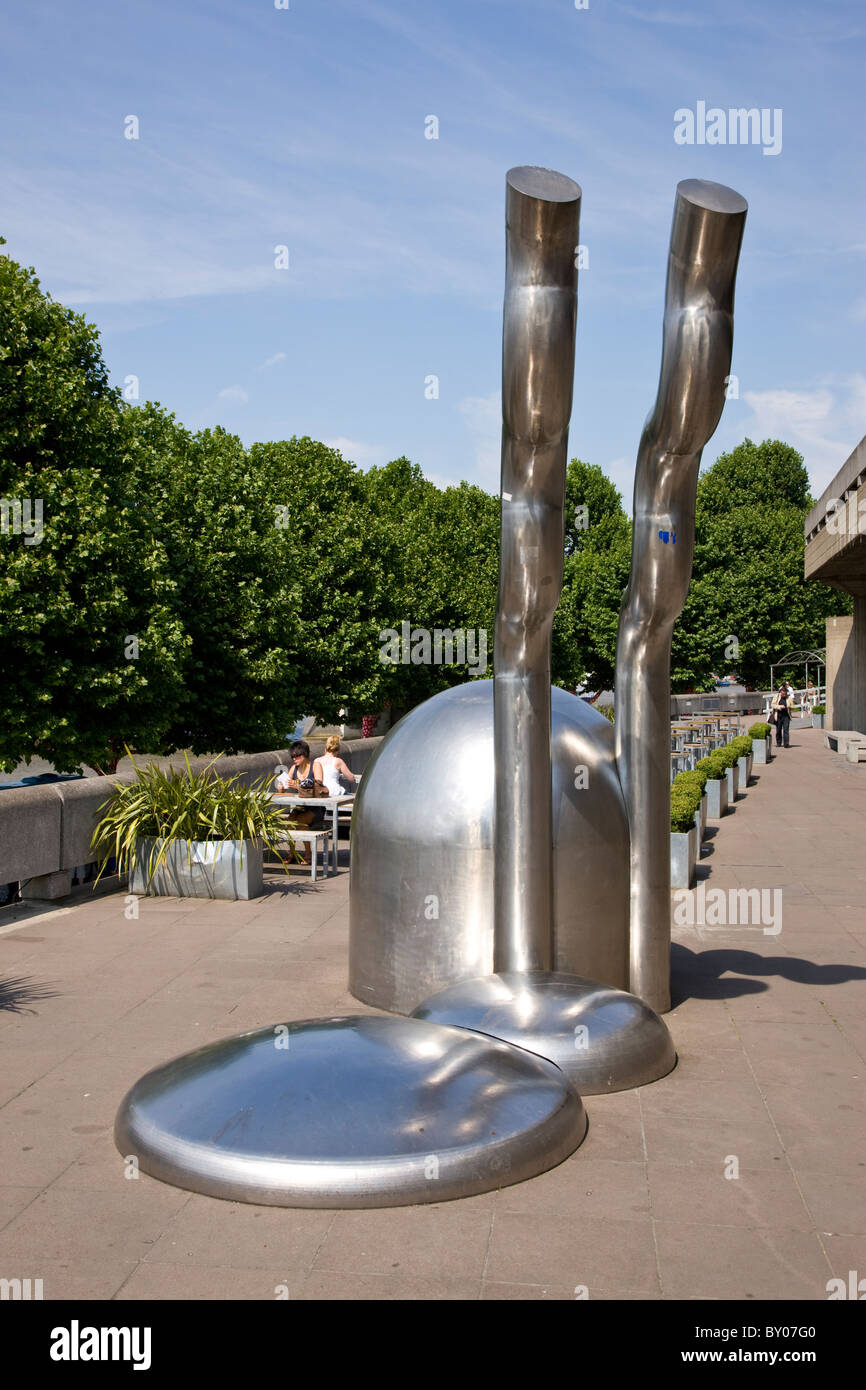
597 559
71 596
748 602
184 591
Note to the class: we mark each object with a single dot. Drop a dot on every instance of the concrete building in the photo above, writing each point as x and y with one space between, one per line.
836 555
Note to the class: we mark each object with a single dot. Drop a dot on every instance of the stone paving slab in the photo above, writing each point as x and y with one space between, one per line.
741 1175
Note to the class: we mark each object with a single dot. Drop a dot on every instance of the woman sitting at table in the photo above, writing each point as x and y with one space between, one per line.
330 768
302 770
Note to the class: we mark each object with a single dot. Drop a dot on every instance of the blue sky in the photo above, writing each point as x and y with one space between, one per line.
305 127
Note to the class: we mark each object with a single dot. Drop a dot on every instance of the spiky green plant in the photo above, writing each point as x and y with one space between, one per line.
173 806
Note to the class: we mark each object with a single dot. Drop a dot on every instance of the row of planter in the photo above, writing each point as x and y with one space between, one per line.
706 793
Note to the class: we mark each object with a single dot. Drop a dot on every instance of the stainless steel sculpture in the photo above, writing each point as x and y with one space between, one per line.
350 1112
569 1020
539 325
696 358
367 1111
422 915
386 1111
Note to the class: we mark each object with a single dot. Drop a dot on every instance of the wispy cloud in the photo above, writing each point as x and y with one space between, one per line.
272 361
364 455
824 422
234 393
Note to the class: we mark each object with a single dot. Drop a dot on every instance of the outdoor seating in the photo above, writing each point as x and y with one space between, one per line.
317 839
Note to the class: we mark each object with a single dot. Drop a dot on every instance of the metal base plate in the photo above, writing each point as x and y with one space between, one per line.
361 1111
603 1039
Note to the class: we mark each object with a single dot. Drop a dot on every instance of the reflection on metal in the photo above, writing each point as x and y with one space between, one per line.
351 1112
696 359
602 1039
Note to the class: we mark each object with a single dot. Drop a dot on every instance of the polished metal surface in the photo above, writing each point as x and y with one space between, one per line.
424 896
421 900
542 216
350 1112
602 1039
697 341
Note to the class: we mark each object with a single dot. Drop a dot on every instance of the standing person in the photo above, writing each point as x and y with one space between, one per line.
329 768
782 706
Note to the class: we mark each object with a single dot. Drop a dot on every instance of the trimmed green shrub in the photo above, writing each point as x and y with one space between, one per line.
819 709
743 745
728 755
686 793
759 730
683 809
698 776
713 765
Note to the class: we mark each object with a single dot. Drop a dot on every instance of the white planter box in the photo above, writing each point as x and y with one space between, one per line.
759 751
717 797
745 767
684 854
199 869
817 721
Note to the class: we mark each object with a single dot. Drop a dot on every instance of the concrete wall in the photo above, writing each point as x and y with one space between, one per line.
48 828
846 670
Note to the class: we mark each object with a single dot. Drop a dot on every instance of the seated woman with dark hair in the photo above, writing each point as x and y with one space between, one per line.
301 774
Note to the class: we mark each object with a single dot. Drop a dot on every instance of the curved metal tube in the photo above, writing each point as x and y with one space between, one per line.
540 319
705 244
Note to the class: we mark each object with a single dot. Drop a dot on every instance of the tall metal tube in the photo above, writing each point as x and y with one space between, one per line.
697 341
540 319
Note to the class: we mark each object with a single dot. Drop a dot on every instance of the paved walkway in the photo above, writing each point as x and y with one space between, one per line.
741 1175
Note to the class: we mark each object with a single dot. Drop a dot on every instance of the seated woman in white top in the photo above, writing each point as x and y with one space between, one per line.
329 768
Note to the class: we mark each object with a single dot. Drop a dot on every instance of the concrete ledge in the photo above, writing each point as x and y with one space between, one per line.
81 805
47 829
29 832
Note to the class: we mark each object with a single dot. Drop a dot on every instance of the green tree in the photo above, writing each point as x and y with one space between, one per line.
438 555
748 602
92 652
597 561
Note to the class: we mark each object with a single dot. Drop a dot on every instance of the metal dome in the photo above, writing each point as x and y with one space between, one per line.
422 851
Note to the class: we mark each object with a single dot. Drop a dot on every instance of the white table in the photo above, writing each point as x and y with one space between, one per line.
331 803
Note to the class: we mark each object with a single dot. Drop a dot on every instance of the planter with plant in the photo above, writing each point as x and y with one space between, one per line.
761 743
818 712
685 804
743 745
716 769
732 771
191 834
696 778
